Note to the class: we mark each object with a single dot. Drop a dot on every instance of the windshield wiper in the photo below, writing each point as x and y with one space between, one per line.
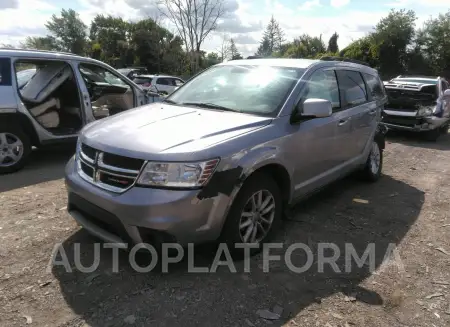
170 101
208 106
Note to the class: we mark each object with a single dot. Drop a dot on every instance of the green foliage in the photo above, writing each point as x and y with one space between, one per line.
234 52
272 40
40 43
332 43
69 32
305 46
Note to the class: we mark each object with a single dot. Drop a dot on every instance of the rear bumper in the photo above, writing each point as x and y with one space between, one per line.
144 214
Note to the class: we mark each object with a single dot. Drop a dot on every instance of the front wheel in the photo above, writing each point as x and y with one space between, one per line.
15 148
254 215
374 163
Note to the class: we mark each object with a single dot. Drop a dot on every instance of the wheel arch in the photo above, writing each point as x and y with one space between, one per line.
23 122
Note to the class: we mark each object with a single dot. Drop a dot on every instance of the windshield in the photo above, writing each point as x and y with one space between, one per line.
244 88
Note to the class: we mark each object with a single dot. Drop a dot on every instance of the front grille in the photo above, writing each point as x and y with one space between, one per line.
107 170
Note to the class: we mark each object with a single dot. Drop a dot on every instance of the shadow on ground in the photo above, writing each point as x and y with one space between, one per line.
44 165
418 140
179 298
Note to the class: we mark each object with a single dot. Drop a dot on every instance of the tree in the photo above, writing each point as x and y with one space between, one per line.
40 43
110 35
194 21
332 43
68 31
434 43
234 52
392 36
305 46
272 40
224 48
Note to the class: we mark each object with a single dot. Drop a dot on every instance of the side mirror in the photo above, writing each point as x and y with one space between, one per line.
318 108
447 93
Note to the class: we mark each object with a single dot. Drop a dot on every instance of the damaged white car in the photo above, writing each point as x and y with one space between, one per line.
418 104
47 97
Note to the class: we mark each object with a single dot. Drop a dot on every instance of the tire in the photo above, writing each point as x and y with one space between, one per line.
374 164
9 133
232 234
432 135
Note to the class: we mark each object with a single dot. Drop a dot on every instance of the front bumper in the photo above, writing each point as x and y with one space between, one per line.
409 122
144 214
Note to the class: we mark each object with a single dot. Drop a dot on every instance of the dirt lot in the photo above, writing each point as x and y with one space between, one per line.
409 207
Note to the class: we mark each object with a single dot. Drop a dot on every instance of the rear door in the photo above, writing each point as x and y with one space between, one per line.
163 85
356 116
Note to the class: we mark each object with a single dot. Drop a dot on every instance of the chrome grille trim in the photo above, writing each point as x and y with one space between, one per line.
99 167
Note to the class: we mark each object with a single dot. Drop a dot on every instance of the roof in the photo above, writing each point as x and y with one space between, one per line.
280 62
300 63
42 54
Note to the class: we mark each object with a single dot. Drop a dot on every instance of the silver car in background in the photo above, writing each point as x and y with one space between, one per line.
224 156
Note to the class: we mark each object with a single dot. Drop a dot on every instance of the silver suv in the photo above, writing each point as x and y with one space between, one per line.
47 97
224 155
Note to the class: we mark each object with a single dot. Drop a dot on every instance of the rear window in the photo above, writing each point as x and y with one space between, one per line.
375 87
142 80
5 72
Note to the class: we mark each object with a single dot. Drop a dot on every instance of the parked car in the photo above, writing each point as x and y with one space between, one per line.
47 97
132 72
226 154
418 104
159 83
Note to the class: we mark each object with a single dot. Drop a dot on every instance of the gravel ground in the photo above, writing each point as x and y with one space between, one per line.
408 207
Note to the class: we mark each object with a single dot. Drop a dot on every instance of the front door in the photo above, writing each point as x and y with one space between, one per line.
314 142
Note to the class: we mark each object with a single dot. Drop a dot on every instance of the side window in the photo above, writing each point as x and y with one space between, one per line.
352 87
97 74
5 72
323 85
178 82
444 86
374 86
163 81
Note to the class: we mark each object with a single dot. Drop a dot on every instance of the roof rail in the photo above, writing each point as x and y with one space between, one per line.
41 51
254 57
333 58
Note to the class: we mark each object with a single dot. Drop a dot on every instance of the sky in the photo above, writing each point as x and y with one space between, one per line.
244 20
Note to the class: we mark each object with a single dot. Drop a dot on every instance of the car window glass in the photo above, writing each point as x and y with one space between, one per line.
444 86
97 74
5 71
353 89
178 82
323 85
374 86
162 81
142 80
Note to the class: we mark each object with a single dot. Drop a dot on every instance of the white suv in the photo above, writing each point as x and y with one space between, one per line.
159 83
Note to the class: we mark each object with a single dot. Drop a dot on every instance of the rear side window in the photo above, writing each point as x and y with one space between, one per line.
163 81
374 86
352 87
142 80
178 82
5 72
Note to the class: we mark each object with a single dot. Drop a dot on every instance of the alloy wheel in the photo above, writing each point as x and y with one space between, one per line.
11 149
257 217
375 158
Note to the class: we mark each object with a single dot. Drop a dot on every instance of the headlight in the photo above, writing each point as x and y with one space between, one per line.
425 111
177 174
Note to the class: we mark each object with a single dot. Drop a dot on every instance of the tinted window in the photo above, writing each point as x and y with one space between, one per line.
142 80
5 71
374 86
323 85
163 81
353 89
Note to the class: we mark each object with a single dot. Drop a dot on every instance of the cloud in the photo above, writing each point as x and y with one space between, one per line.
5 4
245 39
308 5
339 3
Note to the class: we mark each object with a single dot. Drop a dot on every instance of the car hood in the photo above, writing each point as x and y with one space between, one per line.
162 130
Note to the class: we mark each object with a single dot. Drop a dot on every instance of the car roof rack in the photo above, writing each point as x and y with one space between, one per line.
333 58
40 51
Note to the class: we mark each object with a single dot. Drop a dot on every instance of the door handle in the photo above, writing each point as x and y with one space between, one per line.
342 122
